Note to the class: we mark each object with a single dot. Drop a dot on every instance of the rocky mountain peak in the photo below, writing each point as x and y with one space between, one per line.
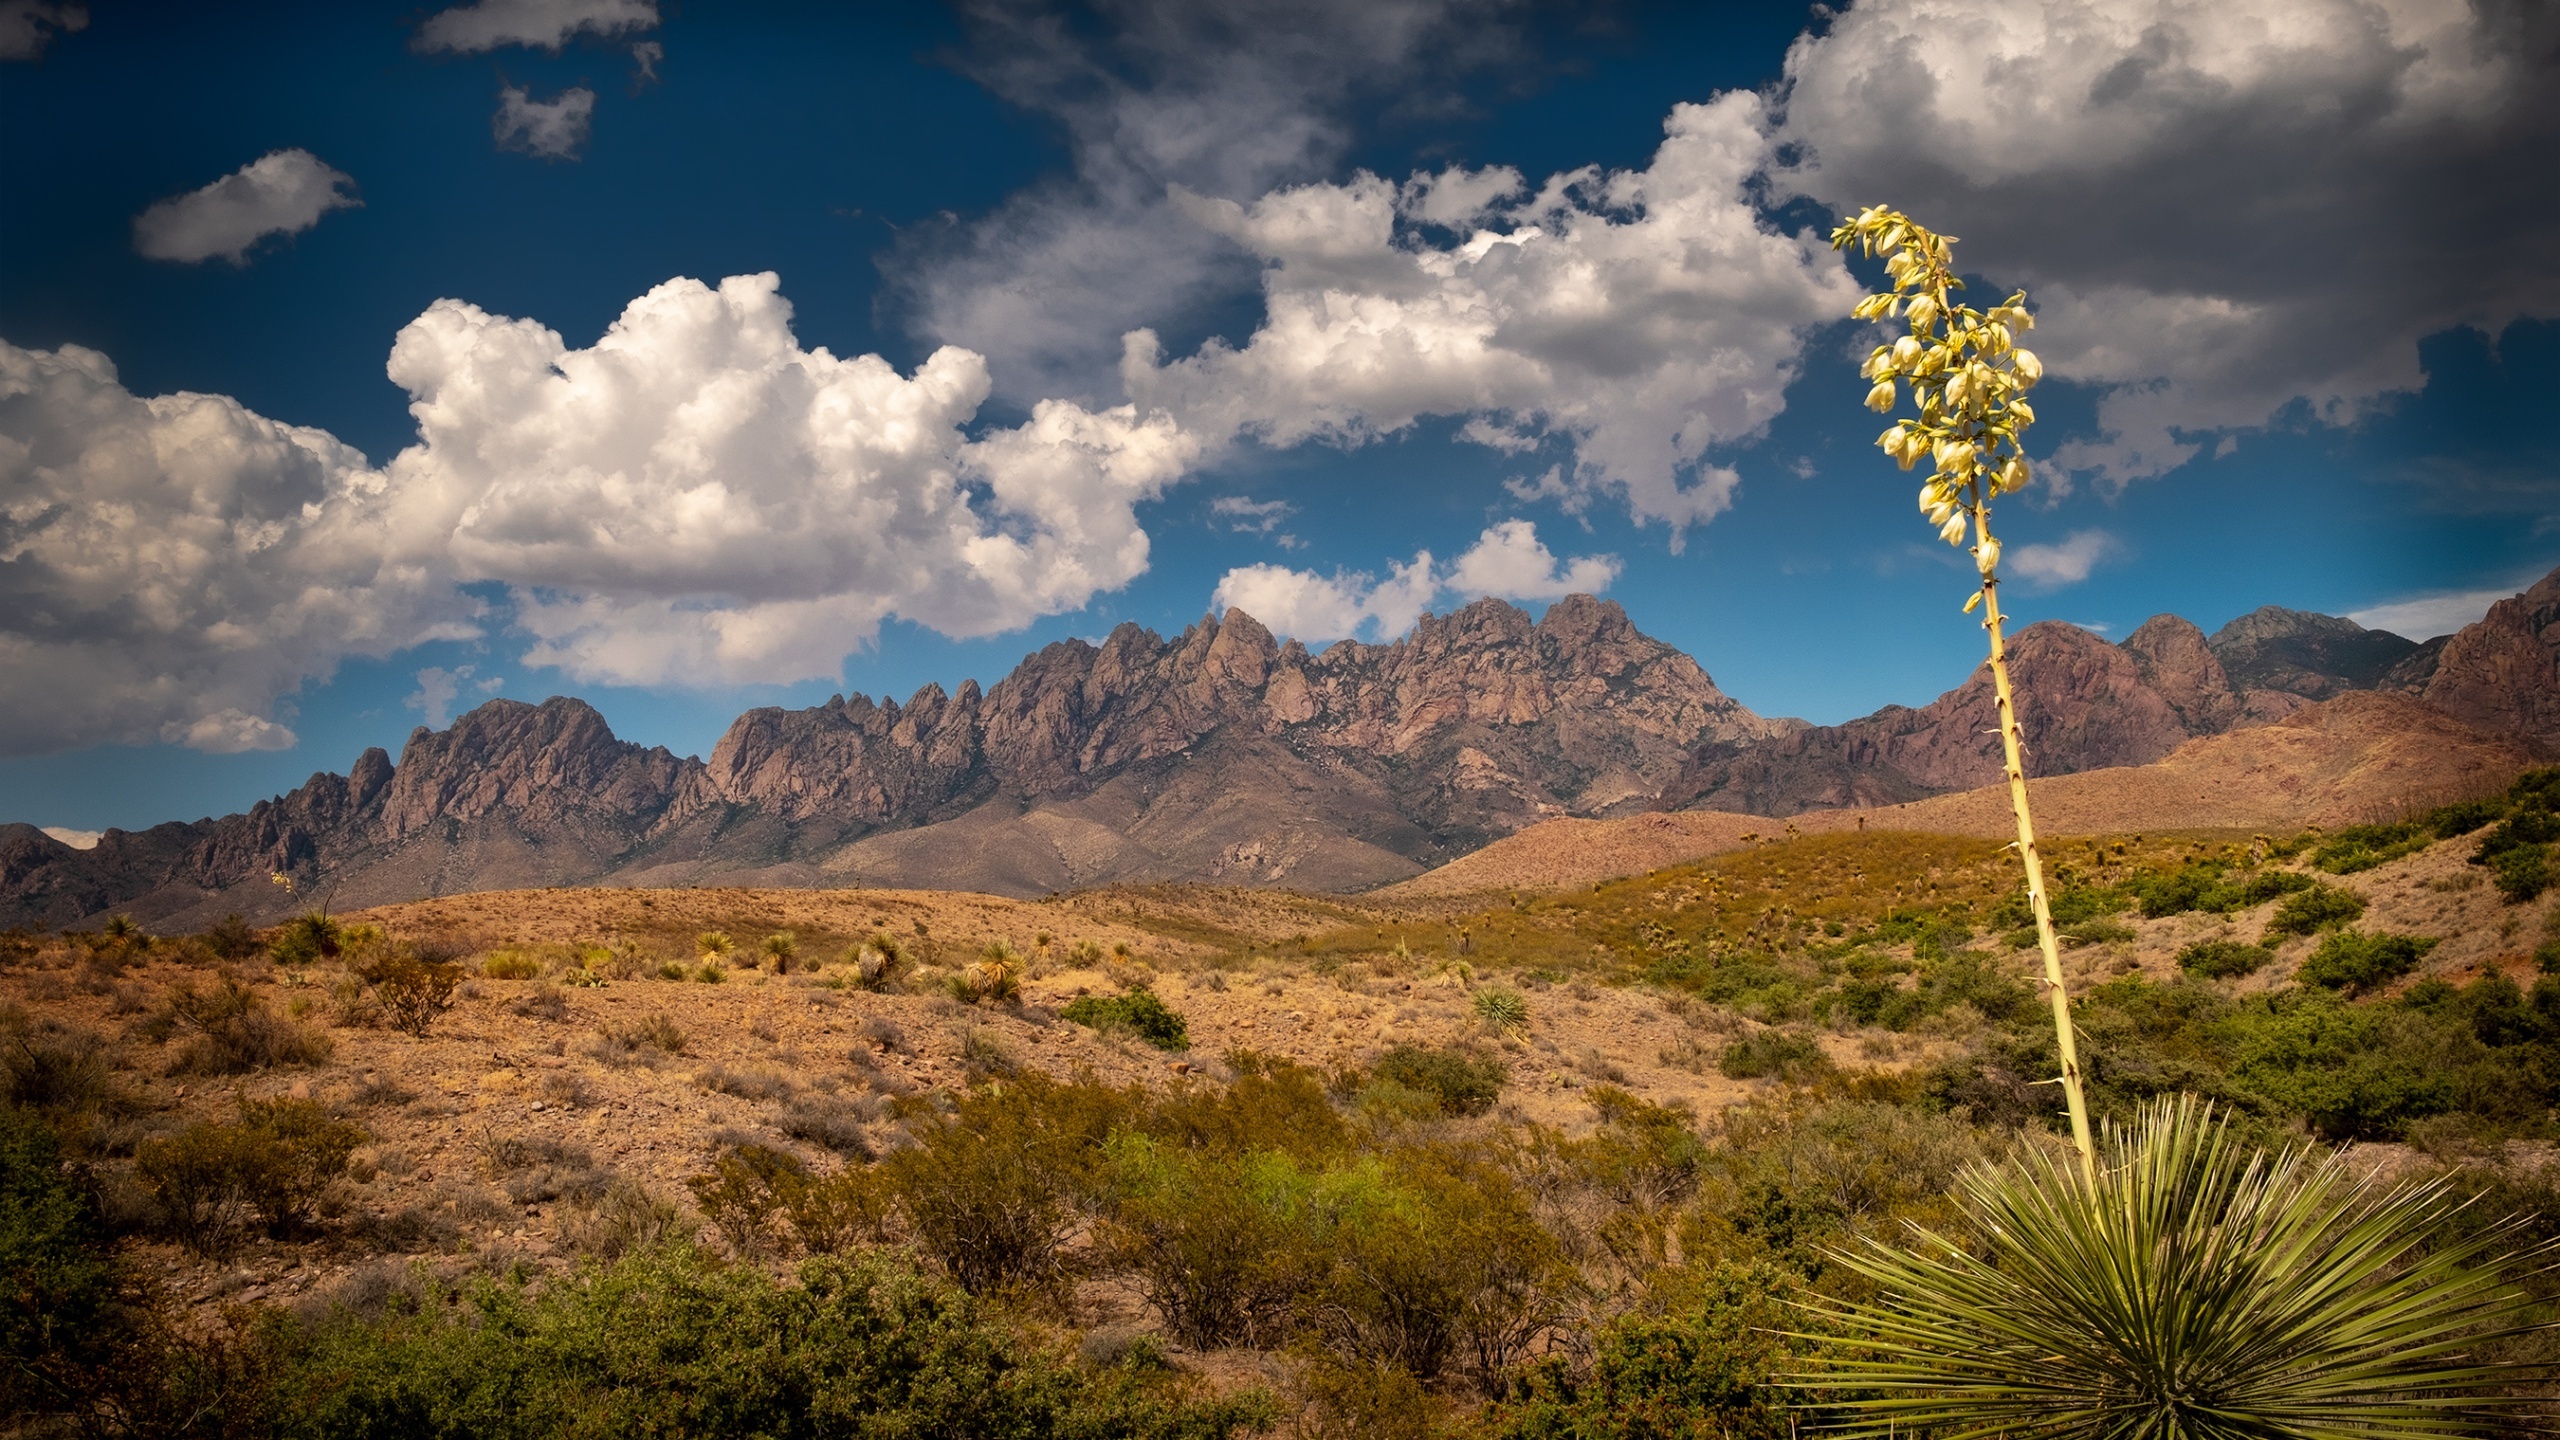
2315 656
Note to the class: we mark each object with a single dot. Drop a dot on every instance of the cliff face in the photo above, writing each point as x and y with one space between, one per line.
1218 754
2502 673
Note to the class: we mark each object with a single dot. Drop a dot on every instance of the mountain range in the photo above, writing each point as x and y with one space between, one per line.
1223 755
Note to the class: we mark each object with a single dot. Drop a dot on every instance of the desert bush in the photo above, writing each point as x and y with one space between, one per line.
62 1296
1788 1056
1205 1237
275 1162
669 1342
231 939
1700 1365
995 975
532 1169
2522 873
764 1085
651 1032
542 1002
714 945
744 1194
511 964
2208 885
2362 847
2223 959
2356 962
985 1056
1458 1081
51 1067
624 1219
1139 1012
2318 908
1499 1007
993 1195
414 991
228 1030
312 935
830 1121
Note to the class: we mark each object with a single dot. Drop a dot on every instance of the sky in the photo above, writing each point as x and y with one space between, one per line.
359 363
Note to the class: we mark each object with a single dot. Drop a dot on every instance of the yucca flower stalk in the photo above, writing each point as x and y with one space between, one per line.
2199 1290
1968 379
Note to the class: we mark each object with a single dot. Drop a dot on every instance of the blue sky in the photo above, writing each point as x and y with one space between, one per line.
1372 340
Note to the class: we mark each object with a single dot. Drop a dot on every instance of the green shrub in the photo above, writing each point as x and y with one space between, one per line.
1457 1080
1138 1012
2223 959
413 990
1700 1366
2355 962
669 1342
1781 1053
2099 932
2450 821
2523 872
2362 847
2320 907
275 1162
58 1278
2206 885
745 1193
229 1031
511 964
993 1194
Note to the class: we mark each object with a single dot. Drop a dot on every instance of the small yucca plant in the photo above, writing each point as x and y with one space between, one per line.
2199 1289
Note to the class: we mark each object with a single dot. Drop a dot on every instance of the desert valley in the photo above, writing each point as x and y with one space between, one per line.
1603 996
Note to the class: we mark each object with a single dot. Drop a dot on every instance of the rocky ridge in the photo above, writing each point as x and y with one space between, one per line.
1219 754
1223 755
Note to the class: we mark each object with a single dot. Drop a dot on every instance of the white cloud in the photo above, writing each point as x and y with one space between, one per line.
554 129
541 24
692 500
170 567
2424 617
696 499
1248 516
645 58
76 839
1230 99
2068 563
2219 209
27 26
229 732
1643 317
1510 561
284 192
1507 561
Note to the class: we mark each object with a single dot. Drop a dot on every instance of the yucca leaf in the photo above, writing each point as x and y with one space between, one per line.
2199 1289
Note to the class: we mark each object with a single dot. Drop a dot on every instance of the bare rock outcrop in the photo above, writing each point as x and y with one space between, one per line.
2301 653
2502 672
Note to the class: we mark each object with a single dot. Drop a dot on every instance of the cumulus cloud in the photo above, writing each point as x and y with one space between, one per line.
2424 617
696 498
284 192
555 129
1508 561
2220 210
2068 563
539 24
1641 317
27 26
76 839
1227 100
170 567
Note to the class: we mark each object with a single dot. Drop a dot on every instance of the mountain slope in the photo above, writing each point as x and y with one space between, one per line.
1219 754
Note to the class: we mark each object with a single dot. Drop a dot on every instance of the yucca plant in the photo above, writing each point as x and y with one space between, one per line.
2200 1289
1969 378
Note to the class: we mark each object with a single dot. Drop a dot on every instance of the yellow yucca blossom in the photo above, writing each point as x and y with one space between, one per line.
1967 378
